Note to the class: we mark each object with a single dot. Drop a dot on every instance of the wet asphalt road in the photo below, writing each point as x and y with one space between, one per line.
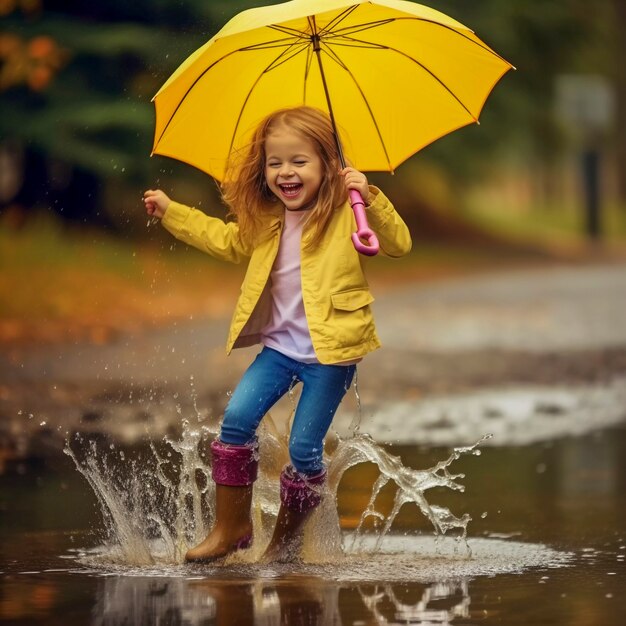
551 325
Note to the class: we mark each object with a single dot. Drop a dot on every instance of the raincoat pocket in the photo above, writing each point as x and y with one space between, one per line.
351 299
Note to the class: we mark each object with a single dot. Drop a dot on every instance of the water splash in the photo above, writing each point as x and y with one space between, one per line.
355 424
157 504
411 484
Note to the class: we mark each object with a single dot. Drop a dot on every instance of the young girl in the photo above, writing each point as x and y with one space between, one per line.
304 297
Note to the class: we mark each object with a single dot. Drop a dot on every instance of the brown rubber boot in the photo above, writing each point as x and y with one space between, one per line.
299 495
234 471
232 529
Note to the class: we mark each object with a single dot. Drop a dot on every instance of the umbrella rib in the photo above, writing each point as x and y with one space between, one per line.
333 55
350 30
195 82
267 45
357 28
273 65
294 32
210 67
252 88
404 54
337 20
241 110
349 43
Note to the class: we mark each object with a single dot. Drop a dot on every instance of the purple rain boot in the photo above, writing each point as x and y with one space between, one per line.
234 471
299 495
236 466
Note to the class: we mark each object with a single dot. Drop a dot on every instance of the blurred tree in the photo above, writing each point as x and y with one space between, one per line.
76 80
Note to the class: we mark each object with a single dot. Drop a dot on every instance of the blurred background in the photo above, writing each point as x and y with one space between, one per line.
112 330
543 176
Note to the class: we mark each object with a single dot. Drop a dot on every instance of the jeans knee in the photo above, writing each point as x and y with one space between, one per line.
237 429
306 459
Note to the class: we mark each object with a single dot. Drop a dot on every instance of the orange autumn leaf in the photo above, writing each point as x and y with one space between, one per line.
33 62
42 47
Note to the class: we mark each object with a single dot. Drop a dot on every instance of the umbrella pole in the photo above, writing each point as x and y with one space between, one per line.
364 233
318 53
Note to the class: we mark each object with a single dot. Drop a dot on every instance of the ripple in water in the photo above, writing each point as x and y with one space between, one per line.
398 559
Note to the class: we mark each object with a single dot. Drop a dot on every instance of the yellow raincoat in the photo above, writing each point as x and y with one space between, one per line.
335 291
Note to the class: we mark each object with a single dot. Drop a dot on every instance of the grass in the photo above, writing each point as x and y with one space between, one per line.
556 224
58 284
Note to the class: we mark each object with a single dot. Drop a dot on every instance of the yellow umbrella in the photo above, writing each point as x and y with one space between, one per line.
393 75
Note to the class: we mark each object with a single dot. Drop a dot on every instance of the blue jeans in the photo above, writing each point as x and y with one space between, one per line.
269 377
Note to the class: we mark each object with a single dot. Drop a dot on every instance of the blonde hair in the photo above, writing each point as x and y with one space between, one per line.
245 190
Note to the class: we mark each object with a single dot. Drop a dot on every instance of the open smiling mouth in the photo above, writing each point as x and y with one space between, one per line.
290 190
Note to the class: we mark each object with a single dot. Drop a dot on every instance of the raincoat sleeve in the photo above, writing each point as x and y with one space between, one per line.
209 234
393 234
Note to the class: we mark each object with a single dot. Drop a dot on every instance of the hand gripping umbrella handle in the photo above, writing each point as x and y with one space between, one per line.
364 232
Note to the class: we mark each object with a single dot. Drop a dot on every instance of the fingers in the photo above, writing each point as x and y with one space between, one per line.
352 175
156 202
354 179
149 200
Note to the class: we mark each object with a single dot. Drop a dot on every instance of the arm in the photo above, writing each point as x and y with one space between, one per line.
209 234
393 234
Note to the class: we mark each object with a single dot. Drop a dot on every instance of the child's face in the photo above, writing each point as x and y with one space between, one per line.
293 168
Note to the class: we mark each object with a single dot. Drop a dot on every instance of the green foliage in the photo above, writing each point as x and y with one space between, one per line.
96 113
542 40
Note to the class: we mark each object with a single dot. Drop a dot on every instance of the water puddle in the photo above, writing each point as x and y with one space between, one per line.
154 506
395 559
515 416
552 548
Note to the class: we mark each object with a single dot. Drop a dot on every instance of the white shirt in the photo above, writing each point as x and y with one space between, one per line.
288 331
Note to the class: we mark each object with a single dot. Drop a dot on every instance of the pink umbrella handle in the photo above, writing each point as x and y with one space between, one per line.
364 232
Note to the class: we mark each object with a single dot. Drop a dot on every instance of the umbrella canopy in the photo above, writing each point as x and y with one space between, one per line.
399 76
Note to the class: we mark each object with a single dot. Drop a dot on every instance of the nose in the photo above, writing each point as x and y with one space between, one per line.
286 170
